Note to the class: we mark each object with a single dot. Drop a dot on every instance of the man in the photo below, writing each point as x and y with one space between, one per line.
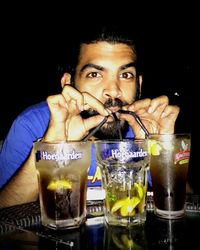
102 78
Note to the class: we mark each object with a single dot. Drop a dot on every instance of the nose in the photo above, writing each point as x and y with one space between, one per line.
112 90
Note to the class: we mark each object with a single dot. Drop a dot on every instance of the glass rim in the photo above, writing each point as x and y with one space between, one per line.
169 135
61 142
120 141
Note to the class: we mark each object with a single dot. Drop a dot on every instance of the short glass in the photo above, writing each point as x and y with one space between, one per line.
123 165
169 163
62 176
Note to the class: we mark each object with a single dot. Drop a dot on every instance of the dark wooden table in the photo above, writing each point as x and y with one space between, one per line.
20 228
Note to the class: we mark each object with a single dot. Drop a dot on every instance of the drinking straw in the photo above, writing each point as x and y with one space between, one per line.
137 118
116 119
96 129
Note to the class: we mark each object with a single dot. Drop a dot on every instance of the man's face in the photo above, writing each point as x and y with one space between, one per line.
107 71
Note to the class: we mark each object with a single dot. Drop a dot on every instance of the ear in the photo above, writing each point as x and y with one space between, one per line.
140 82
66 79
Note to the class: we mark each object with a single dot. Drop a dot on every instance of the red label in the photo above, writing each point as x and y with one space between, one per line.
183 155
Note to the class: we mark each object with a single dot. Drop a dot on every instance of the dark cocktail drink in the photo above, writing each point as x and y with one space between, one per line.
64 196
62 175
169 167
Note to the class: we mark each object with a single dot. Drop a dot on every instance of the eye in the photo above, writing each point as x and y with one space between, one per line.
127 75
93 75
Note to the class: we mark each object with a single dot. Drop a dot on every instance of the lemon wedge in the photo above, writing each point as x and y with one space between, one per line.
126 206
154 148
118 204
127 210
59 184
139 189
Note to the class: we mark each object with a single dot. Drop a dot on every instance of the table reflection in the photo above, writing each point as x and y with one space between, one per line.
125 238
171 234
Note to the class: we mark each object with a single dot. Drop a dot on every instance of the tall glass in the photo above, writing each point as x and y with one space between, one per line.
169 162
62 176
123 166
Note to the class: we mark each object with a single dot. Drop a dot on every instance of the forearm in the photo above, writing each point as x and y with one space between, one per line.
23 187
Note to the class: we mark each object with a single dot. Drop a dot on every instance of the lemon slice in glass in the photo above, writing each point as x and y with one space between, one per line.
154 148
118 204
129 206
127 210
59 184
126 206
139 189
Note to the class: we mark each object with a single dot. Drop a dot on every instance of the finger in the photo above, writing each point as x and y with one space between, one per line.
92 122
140 112
172 111
95 104
158 103
71 93
140 104
56 100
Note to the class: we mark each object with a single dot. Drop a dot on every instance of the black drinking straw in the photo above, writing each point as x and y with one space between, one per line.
137 118
116 119
96 129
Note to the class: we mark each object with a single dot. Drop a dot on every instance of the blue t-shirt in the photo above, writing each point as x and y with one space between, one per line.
28 127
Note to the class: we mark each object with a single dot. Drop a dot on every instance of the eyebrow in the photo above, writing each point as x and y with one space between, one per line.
91 65
132 64
98 67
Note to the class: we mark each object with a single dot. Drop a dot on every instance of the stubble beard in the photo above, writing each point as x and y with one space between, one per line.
111 130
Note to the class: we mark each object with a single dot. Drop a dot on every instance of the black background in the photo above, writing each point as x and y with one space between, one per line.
32 37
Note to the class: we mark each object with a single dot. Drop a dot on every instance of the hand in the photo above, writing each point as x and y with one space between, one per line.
156 114
65 120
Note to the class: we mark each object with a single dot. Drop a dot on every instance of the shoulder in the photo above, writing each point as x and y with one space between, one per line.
33 120
36 109
37 112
